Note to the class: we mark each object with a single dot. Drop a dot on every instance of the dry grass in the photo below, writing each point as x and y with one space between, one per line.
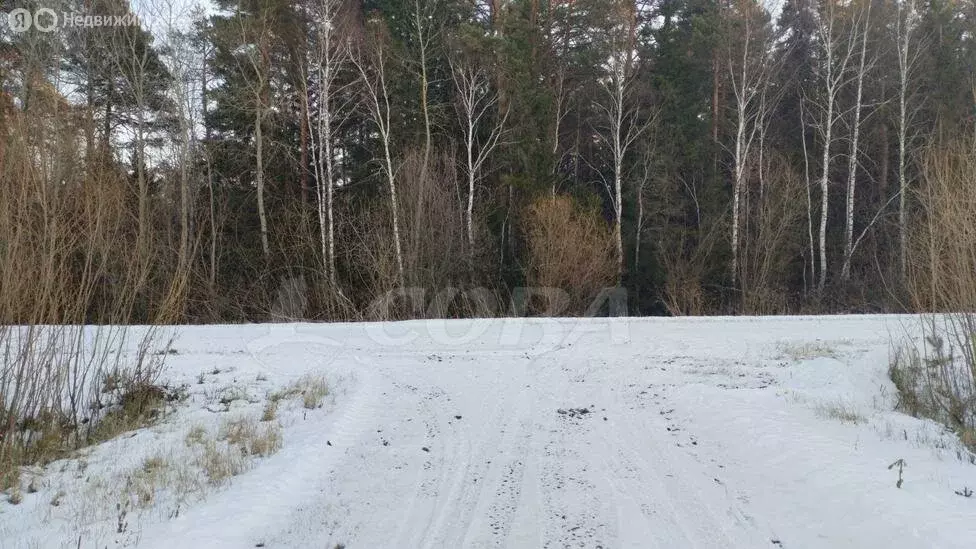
196 435
139 406
807 350
252 439
283 394
168 482
220 462
267 442
841 412
142 485
908 374
15 496
153 464
207 461
233 393
311 388
314 389
237 431
270 412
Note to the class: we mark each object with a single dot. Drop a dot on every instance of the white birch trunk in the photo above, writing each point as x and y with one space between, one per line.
904 35
852 157
374 82
259 177
834 80
474 104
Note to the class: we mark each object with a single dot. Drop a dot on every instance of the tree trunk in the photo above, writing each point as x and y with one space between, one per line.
806 170
330 193
213 227
396 213
640 225
259 177
885 174
303 153
845 272
824 194
423 37
904 40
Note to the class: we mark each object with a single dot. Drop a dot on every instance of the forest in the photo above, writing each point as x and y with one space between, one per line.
254 160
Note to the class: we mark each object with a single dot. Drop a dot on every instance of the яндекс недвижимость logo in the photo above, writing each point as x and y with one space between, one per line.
47 20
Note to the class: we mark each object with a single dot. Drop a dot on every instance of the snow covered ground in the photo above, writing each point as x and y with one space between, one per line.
612 433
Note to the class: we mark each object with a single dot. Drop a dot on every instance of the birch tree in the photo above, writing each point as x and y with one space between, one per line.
852 163
837 50
141 80
475 104
247 37
258 58
424 33
908 52
329 57
809 186
621 125
749 67
182 57
371 63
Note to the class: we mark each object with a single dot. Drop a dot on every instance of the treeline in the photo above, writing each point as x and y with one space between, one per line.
325 159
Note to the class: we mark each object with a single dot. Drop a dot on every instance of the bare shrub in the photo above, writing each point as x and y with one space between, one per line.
72 254
772 212
687 264
436 251
683 293
937 377
942 274
369 252
568 248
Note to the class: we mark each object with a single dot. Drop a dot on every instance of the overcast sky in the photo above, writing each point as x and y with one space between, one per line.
158 15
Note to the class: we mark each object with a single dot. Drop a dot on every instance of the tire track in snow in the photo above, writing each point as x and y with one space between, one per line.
700 513
475 495
576 511
442 474
495 499
459 492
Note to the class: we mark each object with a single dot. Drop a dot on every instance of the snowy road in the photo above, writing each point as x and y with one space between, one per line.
612 434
